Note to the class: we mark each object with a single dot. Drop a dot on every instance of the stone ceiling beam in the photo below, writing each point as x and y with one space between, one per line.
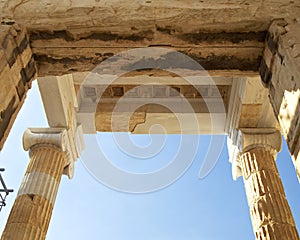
60 52
141 15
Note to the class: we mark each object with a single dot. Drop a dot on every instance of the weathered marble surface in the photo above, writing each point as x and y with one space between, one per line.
142 15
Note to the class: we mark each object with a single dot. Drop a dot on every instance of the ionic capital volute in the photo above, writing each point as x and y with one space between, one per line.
250 138
58 138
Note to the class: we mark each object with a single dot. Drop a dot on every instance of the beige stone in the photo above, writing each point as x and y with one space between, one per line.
31 213
233 40
16 73
268 206
285 82
269 210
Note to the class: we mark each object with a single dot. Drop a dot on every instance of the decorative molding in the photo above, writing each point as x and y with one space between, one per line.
59 138
69 170
234 154
60 101
250 138
45 136
232 121
79 140
235 105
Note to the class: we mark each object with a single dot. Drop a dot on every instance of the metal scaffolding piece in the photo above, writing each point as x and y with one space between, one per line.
3 191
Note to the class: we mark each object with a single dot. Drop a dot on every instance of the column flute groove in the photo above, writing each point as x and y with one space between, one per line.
53 152
31 213
270 213
269 209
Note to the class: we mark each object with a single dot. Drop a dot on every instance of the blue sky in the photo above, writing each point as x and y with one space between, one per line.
212 208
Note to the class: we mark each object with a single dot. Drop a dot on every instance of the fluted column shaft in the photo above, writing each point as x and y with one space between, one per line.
270 213
31 212
53 152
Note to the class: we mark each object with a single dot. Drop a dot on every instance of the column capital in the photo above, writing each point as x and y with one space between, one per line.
250 138
70 144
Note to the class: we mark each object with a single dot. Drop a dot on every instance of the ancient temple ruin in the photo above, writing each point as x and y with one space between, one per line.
249 52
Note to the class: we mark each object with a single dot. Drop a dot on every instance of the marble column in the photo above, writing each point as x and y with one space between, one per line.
31 212
269 210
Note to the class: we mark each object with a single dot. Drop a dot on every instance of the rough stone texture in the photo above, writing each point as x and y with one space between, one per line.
269 210
223 35
73 36
280 71
124 17
53 152
31 212
57 56
17 69
253 157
